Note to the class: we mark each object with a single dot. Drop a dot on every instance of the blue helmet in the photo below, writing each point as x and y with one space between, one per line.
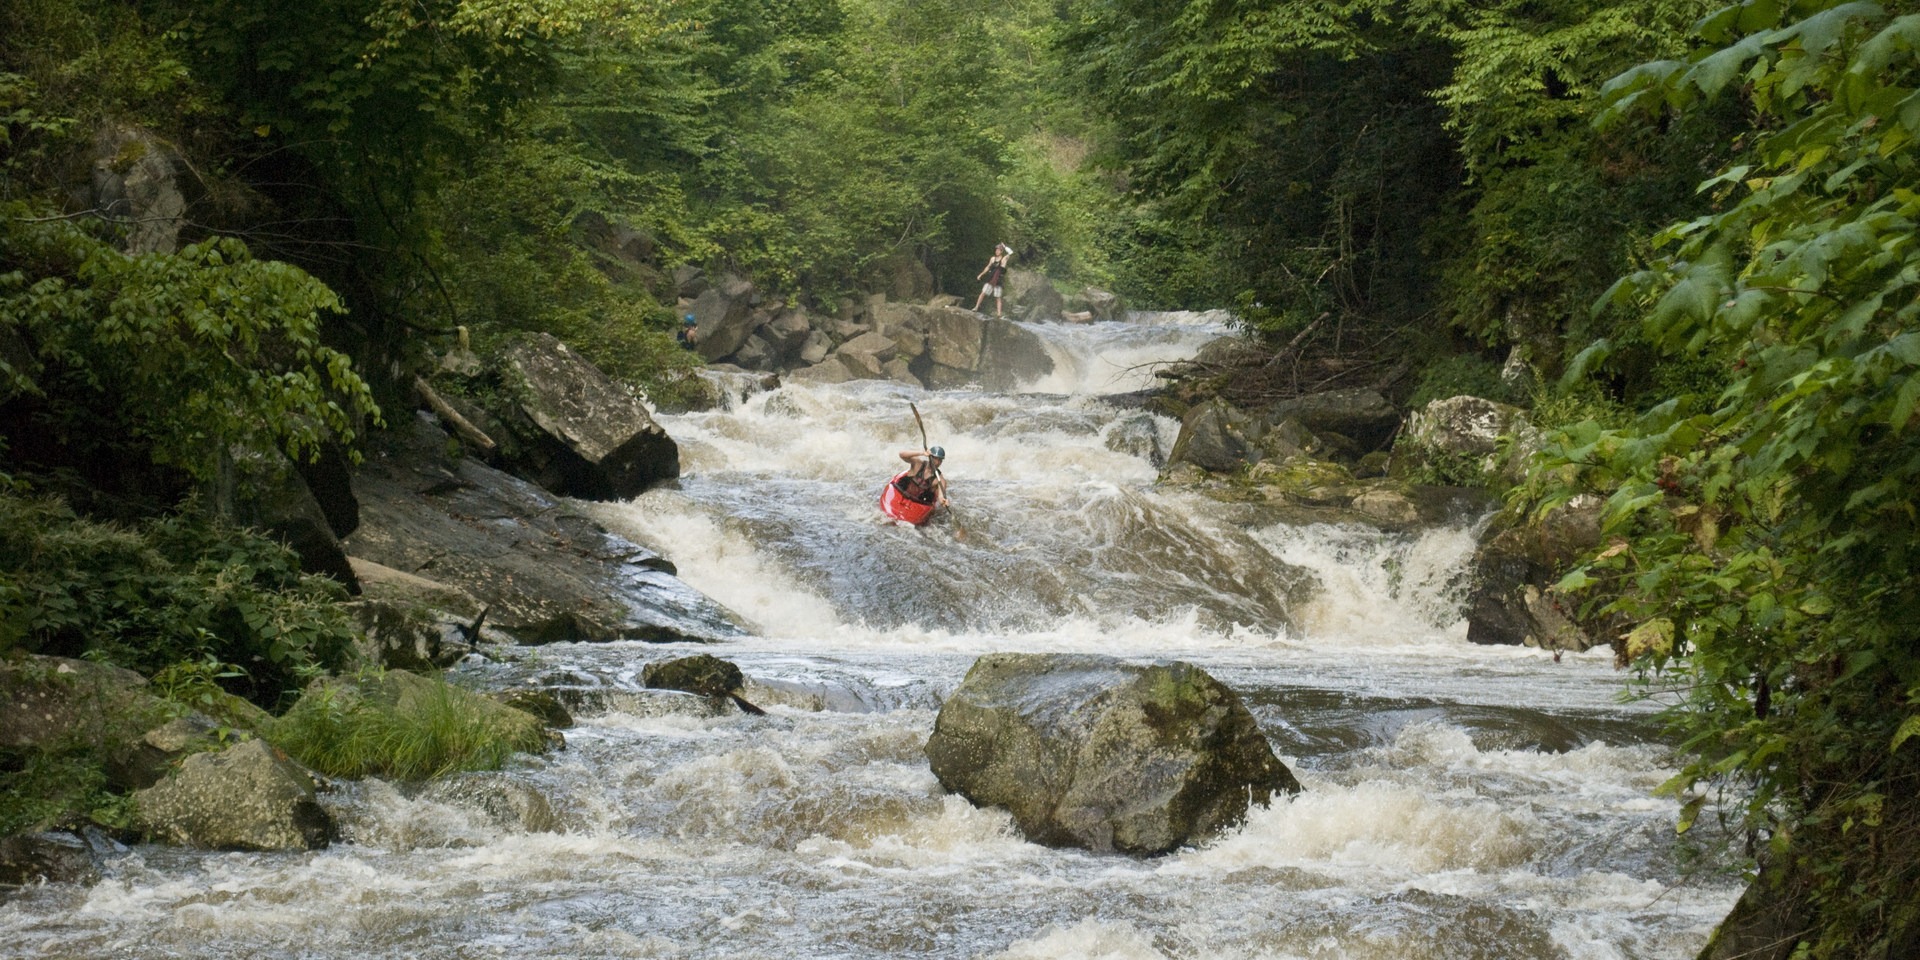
690 321
937 453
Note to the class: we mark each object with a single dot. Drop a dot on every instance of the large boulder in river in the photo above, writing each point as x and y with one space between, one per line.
953 338
1094 752
246 797
597 440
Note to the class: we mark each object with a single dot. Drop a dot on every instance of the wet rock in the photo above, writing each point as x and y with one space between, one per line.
1011 355
1512 600
55 856
1137 435
954 338
508 801
595 439
544 705
704 674
246 797
733 386
1213 436
1098 753
724 317
544 569
1364 416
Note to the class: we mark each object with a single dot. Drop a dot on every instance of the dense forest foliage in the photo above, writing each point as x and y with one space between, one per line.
1459 184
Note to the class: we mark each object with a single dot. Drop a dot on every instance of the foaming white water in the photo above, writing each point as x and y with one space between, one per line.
1121 357
1090 939
724 563
1378 588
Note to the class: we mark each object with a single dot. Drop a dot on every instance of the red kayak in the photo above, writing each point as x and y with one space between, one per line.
897 505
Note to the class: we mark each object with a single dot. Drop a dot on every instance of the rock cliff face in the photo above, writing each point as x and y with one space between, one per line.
542 570
1094 752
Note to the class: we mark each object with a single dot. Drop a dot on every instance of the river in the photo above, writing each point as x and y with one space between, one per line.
1460 801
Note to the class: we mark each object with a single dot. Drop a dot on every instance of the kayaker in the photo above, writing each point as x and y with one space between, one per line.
922 483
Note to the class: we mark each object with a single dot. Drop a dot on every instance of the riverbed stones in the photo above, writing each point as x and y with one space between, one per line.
1094 752
246 797
595 439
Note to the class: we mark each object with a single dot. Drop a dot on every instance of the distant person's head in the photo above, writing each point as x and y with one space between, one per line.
689 320
1002 249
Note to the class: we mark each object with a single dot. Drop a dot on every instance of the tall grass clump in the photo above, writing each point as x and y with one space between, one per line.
401 726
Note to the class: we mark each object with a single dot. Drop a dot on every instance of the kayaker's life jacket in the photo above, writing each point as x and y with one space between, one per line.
915 488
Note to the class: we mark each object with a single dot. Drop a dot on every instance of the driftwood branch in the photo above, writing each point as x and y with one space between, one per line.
462 428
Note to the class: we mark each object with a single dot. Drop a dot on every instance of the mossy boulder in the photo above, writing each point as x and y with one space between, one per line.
249 796
1094 752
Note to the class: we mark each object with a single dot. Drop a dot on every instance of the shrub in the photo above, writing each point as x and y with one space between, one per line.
178 588
399 725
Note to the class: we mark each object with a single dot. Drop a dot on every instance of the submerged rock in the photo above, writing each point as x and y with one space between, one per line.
508 801
246 797
1094 752
702 674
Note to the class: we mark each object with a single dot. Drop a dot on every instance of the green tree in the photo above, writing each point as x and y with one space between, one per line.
1767 531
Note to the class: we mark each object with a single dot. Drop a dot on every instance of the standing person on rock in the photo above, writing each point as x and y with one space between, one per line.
993 273
689 333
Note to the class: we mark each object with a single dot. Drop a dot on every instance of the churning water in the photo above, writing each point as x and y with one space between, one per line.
1460 802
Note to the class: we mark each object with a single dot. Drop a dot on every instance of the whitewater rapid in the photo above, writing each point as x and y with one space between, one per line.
1461 801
